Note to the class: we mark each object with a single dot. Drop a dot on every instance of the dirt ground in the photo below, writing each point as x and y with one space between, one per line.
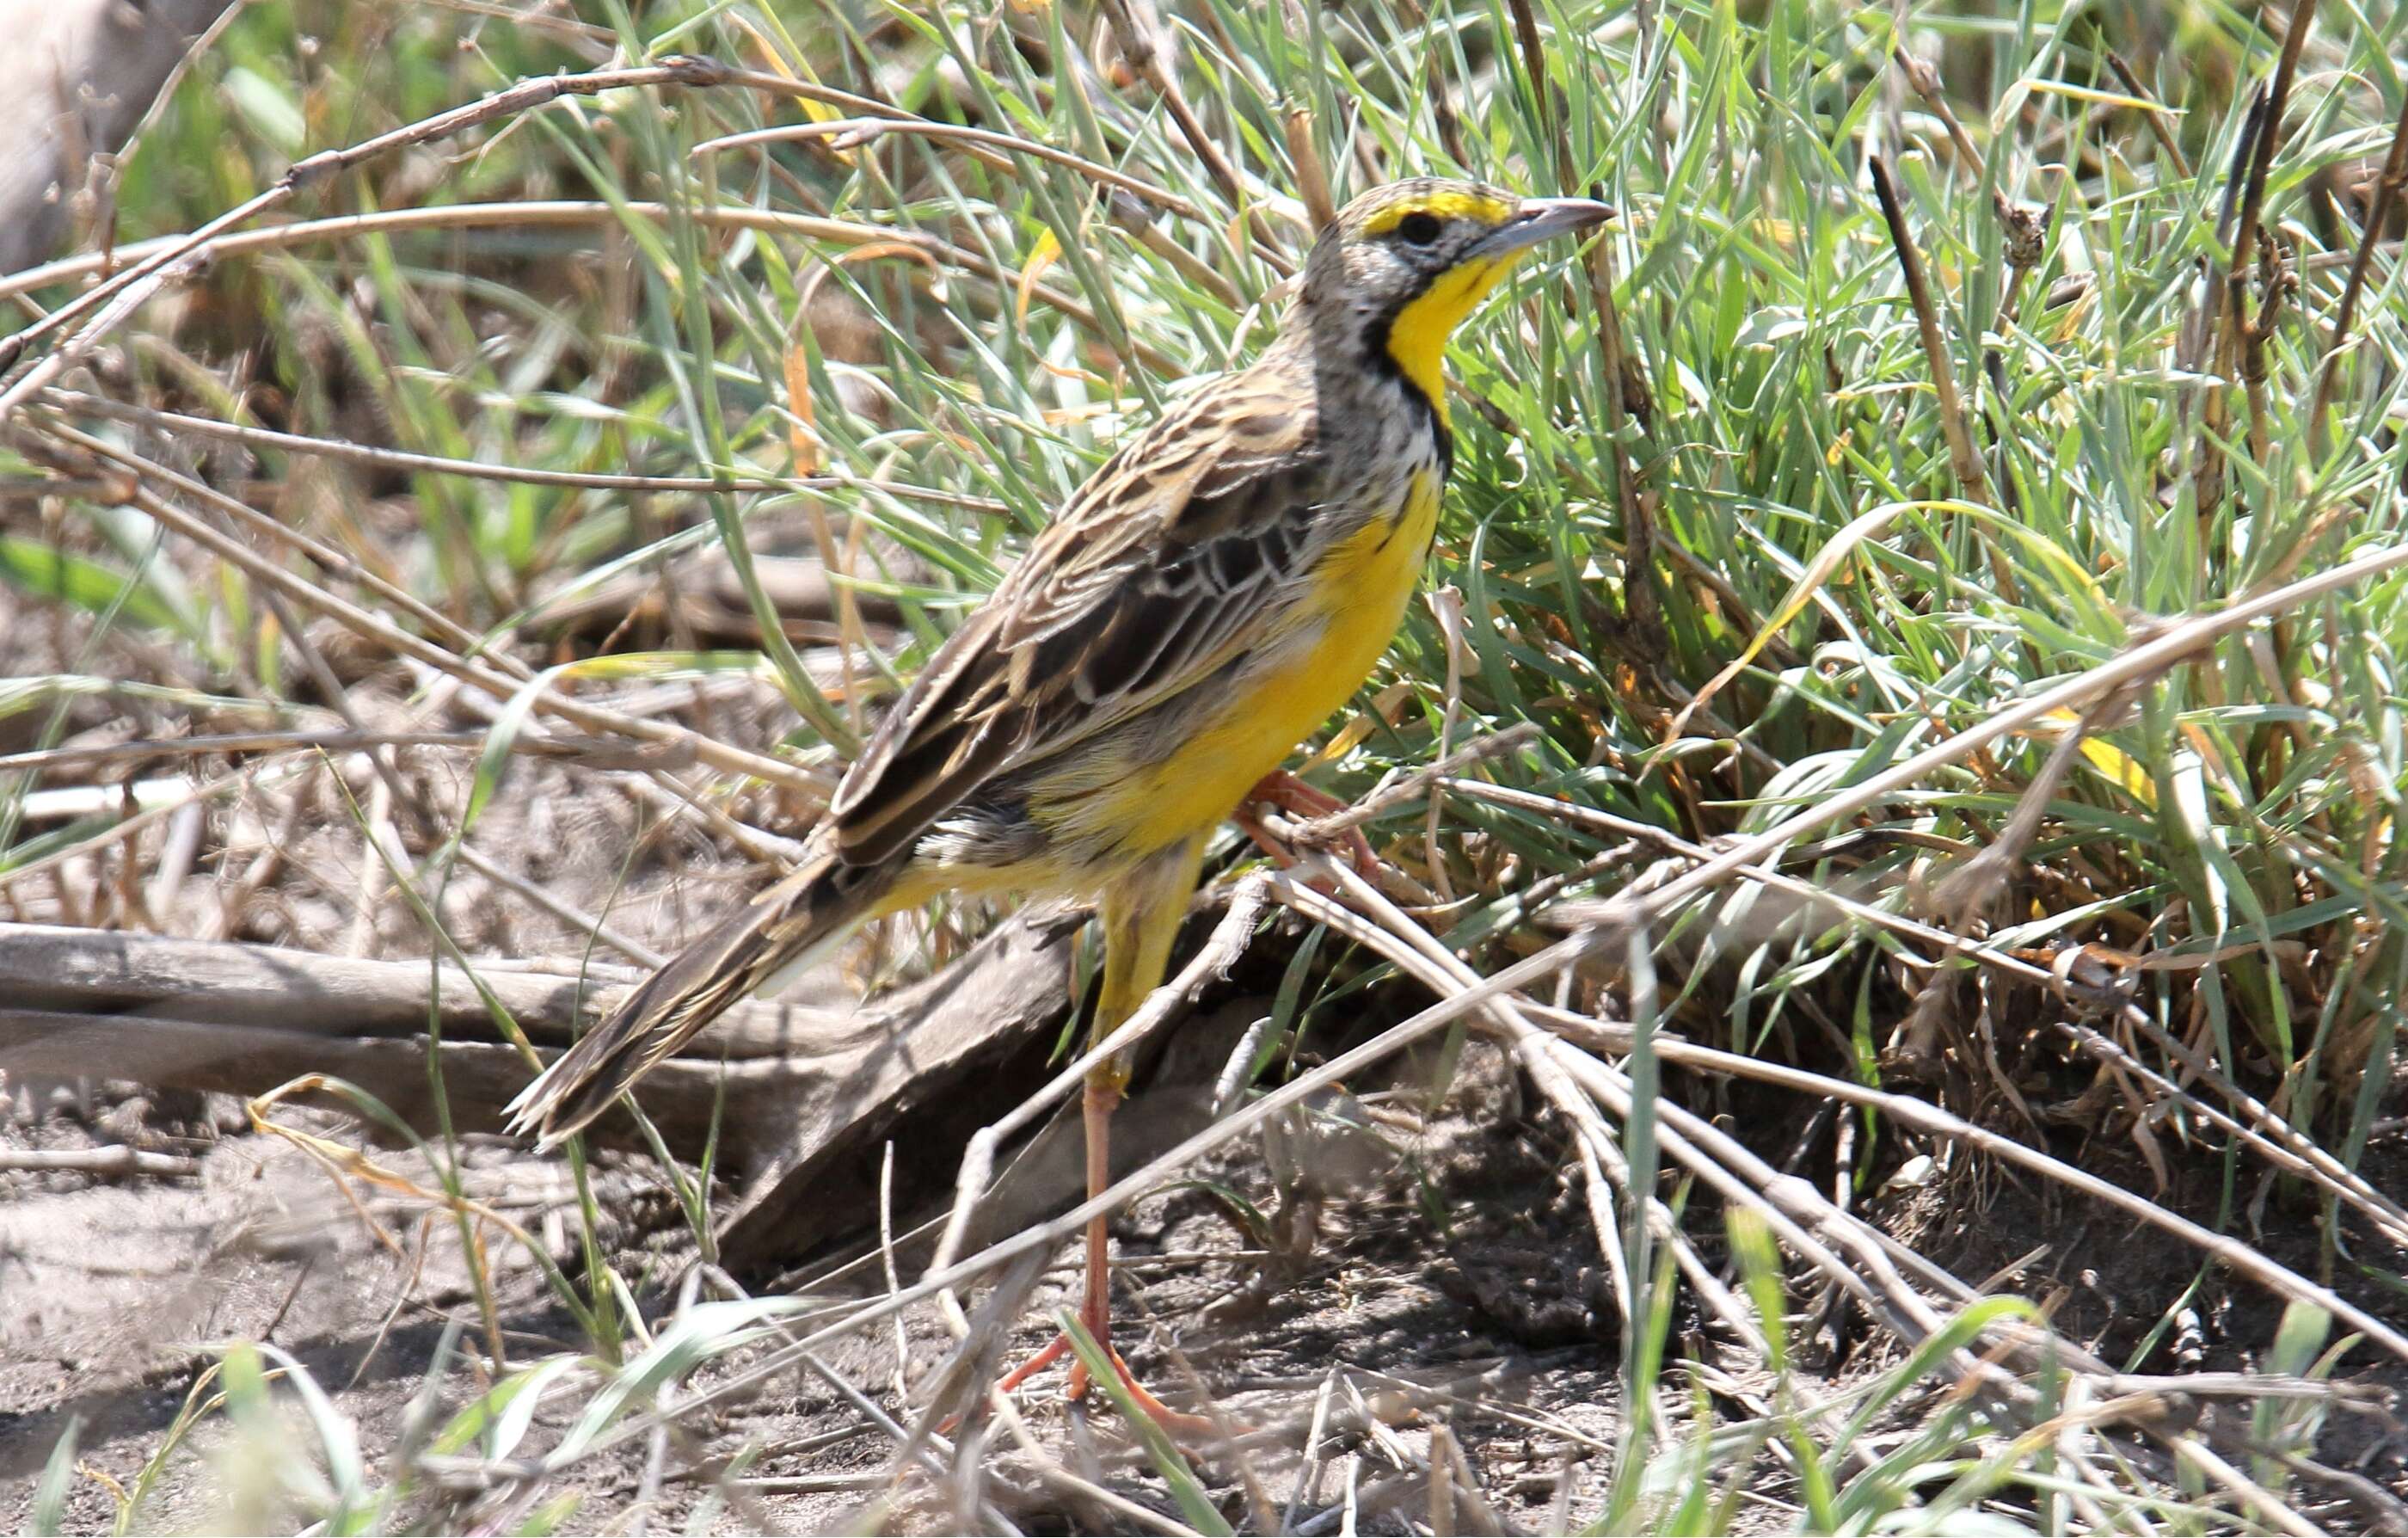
1436 1266
1431 1252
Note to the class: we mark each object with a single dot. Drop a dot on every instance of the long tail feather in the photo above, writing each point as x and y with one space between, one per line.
806 913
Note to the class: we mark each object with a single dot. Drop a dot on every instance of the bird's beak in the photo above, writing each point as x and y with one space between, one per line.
1542 218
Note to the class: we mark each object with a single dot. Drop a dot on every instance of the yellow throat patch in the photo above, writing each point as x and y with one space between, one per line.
1418 335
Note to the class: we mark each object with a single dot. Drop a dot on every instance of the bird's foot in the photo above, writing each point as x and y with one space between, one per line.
1177 1424
1290 795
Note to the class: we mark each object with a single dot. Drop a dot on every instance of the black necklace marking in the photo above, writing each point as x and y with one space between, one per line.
1375 352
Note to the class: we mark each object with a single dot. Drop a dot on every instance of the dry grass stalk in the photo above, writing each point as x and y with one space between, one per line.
375 629
1955 425
2271 1134
1311 180
117 298
996 282
2166 646
987 145
2233 332
2153 113
2378 214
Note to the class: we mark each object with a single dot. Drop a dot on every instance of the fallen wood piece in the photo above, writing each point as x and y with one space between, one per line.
823 1184
115 1160
816 1077
96 972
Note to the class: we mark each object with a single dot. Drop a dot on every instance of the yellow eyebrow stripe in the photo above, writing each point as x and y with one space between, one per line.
1450 204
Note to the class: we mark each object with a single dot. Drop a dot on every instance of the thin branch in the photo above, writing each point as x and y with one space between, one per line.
851 133
477 469
841 232
118 297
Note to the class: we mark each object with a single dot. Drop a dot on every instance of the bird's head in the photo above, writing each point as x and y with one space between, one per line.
1400 266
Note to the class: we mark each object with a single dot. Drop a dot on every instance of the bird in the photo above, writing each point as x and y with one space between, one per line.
1201 604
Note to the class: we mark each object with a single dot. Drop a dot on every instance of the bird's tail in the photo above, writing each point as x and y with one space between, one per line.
782 930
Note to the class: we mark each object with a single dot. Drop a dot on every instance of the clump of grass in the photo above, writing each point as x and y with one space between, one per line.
2001 422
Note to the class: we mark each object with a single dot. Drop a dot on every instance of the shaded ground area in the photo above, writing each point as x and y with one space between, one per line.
1378 1269
1419 1265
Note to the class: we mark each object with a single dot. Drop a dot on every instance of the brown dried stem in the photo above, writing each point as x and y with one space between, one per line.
2153 113
938 254
1918 75
2276 1139
376 628
1953 423
1311 180
118 297
2234 331
2025 231
478 470
988 147
1136 28
2378 214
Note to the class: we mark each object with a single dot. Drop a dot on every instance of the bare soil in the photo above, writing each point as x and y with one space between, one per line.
1433 1268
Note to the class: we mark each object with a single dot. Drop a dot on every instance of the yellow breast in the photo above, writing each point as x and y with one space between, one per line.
1356 599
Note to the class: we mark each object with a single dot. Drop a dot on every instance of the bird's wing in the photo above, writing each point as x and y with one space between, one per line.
1160 568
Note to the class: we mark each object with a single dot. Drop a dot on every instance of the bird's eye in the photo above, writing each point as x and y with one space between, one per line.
1417 229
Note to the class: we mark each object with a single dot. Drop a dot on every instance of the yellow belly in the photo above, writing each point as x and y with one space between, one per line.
1359 594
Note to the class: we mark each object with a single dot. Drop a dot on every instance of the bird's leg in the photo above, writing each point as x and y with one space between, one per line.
1141 916
1286 792
1107 1083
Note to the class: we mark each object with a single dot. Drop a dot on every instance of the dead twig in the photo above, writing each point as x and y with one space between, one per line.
1953 423
2153 113
2378 214
418 463
117 298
